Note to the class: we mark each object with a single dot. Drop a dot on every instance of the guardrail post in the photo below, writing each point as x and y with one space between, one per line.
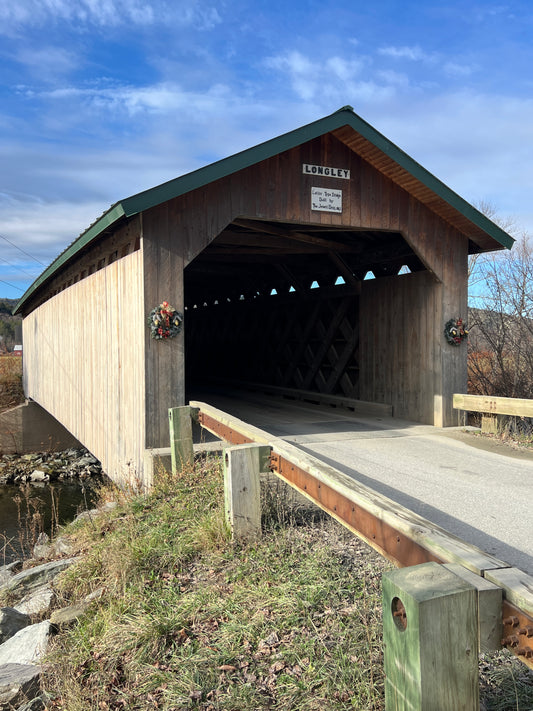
181 448
242 489
430 640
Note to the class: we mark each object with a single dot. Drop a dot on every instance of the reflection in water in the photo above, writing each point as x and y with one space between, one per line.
18 504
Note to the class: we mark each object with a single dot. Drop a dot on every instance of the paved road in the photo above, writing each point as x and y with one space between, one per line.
481 492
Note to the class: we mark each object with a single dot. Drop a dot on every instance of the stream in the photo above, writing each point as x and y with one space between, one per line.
28 509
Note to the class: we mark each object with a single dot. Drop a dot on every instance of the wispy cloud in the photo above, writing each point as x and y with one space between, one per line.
109 13
313 79
47 63
414 54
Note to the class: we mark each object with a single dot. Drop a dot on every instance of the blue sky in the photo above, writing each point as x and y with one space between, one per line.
103 98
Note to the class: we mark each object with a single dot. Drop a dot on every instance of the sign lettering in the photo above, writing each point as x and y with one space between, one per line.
326 200
308 169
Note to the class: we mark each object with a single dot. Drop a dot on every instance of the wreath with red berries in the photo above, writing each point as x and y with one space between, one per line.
455 331
164 321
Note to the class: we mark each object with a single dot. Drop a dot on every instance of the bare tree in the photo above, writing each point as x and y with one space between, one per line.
500 359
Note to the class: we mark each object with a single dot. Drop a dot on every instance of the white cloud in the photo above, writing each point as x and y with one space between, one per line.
323 81
47 62
452 69
107 13
415 54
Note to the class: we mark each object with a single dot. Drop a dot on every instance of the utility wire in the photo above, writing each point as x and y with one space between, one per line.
14 266
21 250
11 285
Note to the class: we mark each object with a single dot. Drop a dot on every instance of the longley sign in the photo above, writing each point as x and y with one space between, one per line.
308 169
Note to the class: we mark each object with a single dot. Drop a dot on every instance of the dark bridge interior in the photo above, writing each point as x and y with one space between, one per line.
278 303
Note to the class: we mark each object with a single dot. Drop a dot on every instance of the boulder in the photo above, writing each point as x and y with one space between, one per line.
18 682
27 646
37 602
32 578
11 621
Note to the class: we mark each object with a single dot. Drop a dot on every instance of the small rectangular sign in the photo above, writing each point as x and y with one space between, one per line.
326 200
308 169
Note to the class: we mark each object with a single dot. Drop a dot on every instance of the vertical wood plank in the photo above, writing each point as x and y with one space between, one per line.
242 494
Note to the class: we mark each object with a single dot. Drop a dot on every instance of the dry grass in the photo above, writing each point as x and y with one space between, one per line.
11 393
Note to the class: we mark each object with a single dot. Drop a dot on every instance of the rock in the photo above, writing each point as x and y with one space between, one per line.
36 602
5 577
8 571
33 578
18 682
39 703
109 506
89 514
39 475
62 546
94 595
40 552
67 616
42 548
11 621
27 646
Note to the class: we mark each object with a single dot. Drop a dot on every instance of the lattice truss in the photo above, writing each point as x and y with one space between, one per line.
268 303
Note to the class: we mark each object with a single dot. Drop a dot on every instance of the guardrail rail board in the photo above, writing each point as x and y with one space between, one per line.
518 407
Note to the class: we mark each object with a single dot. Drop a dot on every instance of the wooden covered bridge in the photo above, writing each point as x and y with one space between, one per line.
267 254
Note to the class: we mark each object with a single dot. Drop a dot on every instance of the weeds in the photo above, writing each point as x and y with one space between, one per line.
30 518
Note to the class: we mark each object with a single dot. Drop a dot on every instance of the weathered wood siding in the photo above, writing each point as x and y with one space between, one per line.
164 360
84 363
399 324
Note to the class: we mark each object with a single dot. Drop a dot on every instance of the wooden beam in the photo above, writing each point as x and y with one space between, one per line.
345 270
519 407
294 235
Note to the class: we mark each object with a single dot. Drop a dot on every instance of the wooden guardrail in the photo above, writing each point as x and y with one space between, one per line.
492 408
399 534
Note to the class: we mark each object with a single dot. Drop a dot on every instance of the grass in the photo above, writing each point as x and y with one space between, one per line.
11 392
10 368
189 621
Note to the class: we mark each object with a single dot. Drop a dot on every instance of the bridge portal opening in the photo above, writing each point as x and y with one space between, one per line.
278 304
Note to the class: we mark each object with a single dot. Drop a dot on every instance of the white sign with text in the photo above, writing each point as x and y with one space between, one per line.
326 200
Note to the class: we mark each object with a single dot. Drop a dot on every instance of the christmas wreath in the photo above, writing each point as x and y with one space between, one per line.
455 331
164 321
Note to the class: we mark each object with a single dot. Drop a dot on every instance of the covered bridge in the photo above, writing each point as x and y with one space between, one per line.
268 255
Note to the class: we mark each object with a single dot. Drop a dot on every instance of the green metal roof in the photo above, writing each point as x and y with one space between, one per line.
179 186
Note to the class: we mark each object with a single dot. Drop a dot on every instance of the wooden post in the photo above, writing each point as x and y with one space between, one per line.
242 465
489 608
430 640
181 449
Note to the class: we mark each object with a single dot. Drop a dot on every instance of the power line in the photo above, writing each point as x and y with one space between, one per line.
11 285
21 250
14 266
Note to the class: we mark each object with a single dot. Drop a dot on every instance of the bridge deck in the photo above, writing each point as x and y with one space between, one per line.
478 490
